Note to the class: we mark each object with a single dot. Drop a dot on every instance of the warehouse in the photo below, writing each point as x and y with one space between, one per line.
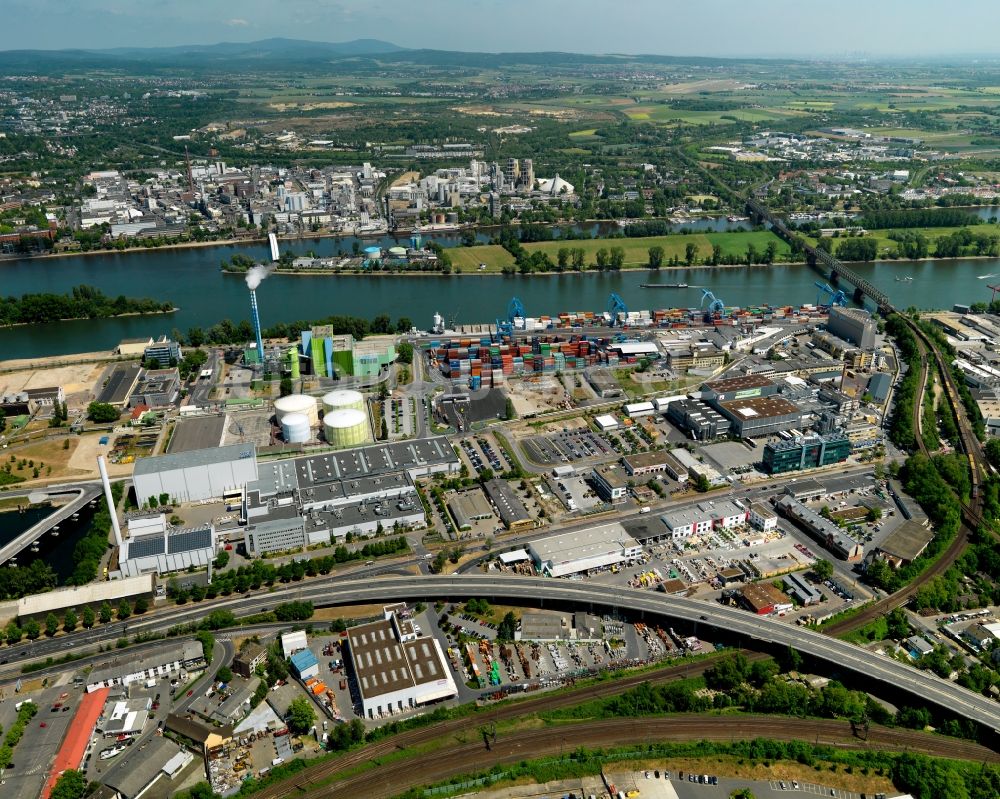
733 388
651 462
823 530
509 507
120 383
583 550
125 717
468 507
162 759
800 590
394 671
161 549
764 599
905 544
760 416
161 663
197 474
606 422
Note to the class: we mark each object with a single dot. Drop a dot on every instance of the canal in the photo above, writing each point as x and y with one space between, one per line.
55 547
192 279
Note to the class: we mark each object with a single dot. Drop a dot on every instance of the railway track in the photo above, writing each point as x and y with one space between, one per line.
458 757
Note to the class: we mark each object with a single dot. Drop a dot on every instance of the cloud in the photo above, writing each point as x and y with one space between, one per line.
236 22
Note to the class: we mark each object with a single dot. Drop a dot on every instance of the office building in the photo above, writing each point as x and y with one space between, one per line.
806 452
703 518
610 482
762 517
760 416
584 550
165 352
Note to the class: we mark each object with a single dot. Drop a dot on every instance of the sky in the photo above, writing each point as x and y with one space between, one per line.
764 28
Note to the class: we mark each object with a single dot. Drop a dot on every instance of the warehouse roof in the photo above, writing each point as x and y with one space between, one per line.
194 458
647 460
383 664
175 543
468 506
759 408
508 505
761 596
119 384
907 541
703 511
582 544
740 383
111 591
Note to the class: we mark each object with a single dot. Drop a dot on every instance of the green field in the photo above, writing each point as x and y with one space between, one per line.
468 259
734 245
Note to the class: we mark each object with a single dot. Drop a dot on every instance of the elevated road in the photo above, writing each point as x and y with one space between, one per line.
515 590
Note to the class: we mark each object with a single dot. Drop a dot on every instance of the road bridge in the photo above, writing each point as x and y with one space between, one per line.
507 589
84 494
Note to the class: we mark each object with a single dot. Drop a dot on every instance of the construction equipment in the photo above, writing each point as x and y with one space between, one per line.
994 289
515 310
837 297
617 310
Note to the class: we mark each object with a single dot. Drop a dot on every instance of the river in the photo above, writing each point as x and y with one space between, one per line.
191 278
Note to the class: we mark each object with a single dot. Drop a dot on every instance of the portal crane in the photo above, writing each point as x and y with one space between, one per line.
617 309
515 310
715 304
837 297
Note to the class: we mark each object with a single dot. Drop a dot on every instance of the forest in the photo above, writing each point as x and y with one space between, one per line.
83 302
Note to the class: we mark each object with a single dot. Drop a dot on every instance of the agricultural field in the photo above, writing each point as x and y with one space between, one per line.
468 259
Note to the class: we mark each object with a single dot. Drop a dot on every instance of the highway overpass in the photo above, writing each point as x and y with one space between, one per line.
84 494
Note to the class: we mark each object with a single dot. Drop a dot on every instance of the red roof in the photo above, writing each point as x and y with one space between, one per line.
138 411
81 727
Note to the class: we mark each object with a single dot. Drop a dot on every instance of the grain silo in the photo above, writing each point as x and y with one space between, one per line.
295 428
343 398
347 427
296 403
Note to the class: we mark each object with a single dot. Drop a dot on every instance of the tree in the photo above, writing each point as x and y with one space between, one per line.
823 569
404 352
508 409
655 257
601 258
141 606
70 785
562 257
225 674
690 252
617 258
222 560
285 387
124 610
88 617
32 629
106 612
507 627
70 621
12 633
102 412
384 432
51 624
300 715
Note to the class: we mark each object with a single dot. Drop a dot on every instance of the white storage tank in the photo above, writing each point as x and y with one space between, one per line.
343 398
347 427
296 403
295 428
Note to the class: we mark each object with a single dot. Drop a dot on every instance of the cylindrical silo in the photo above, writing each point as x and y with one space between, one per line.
295 428
296 403
343 398
292 363
347 427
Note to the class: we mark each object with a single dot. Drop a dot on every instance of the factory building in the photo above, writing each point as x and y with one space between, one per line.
584 550
119 384
703 518
727 389
823 530
697 419
807 452
197 474
754 417
469 506
154 547
156 388
332 355
905 544
393 670
764 599
610 482
852 324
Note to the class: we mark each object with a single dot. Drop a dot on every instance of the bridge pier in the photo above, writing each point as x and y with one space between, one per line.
834 277
859 296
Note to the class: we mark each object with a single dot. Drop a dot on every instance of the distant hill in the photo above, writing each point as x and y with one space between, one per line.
280 48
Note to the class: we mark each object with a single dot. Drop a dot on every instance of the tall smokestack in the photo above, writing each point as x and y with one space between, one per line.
103 469
255 320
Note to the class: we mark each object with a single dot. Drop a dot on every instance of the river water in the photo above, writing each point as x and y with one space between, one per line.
192 279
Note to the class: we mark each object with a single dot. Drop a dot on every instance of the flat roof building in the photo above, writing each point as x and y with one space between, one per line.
392 675
762 517
806 452
823 530
611 482
195 475
905 544
698 419
703 518
852 324
469 506
651 462
92 594
509 507
120 384
760 416
158 548
583 550
741 387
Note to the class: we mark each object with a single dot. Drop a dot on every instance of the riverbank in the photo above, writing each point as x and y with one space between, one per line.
85 318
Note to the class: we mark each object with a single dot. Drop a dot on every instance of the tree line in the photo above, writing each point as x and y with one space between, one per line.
83 302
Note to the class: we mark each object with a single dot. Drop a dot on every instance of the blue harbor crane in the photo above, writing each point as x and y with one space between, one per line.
837 297
715 304
515 310
617 309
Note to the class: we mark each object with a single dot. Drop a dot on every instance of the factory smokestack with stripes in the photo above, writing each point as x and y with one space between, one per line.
255 275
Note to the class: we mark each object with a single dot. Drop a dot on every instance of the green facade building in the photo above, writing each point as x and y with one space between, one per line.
806 453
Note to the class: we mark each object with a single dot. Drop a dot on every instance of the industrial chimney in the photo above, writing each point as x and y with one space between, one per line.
102 467
255 320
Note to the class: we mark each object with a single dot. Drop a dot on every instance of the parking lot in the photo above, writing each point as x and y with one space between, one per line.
483 454
575 493
568 446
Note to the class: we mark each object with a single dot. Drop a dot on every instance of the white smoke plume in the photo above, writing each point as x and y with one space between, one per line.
256 274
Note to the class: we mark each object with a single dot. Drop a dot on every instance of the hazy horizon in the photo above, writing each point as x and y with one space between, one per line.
853 29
